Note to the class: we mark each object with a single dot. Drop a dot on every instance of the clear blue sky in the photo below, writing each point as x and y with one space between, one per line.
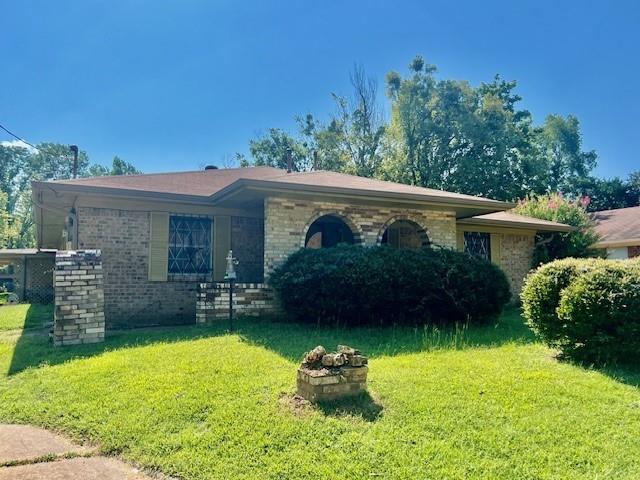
176 85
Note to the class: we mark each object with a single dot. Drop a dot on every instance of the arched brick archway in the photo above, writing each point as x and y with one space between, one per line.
356 231
422 234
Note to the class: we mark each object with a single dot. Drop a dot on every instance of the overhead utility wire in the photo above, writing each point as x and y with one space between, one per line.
17 137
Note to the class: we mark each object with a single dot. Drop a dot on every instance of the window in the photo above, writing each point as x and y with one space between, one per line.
478 244
328 231
189 245
405 234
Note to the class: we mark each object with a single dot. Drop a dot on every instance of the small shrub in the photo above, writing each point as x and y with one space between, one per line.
541 295
601 314
381 285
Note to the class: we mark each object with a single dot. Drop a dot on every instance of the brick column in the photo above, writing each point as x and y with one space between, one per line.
79 298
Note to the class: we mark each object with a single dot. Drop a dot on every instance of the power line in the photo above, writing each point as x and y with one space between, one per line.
17 137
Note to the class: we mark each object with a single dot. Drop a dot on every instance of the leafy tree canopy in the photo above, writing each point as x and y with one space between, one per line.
446 134
50 161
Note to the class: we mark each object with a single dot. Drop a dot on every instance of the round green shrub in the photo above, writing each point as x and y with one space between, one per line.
601 314
541 293
352 285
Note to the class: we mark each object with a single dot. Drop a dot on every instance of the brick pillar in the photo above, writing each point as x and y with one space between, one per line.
79 298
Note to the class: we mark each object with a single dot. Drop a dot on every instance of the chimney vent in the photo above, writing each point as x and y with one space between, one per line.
289 161
211 167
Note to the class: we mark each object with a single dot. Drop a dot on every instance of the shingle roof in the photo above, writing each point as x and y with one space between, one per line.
513 220
199 183
206 183
618 226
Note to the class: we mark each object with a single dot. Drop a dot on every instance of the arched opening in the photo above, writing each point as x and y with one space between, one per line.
403 233
328 231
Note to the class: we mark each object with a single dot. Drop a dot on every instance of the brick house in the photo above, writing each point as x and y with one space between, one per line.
619 232
162 235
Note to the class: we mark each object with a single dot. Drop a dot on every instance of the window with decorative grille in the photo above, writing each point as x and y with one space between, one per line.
478 244
189 245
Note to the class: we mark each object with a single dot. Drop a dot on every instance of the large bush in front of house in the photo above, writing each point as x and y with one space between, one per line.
589 309
555 245
352 285
541 295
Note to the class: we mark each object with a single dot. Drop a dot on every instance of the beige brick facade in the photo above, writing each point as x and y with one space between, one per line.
516 254
287 222
79 298
130 298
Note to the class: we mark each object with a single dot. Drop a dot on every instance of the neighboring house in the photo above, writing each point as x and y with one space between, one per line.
619 232
162 234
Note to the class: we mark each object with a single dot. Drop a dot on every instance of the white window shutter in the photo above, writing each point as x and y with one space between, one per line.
159 247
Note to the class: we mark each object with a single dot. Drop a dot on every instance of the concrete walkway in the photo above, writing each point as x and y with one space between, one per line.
29 453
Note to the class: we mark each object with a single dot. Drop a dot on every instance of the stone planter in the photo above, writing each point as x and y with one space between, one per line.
327 377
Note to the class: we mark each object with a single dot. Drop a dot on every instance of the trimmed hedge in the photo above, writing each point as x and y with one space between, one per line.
541 295
588 309
353 285
601 314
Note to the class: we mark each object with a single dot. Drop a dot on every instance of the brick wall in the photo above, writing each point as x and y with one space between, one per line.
287 221
248 299
130 298
516 254
79 298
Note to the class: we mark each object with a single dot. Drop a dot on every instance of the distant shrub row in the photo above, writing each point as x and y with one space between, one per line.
352 285
587 308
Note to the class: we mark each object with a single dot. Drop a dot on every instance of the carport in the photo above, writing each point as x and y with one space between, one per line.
28 272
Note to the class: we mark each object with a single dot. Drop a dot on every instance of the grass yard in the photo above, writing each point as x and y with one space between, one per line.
197 402
25 316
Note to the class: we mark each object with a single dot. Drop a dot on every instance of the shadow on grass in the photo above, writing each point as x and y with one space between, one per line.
292 340
362 406
288 340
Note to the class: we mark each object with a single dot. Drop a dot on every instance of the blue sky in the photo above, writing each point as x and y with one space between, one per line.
176 85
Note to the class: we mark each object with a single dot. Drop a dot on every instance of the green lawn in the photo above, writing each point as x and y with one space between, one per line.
197 403
24 316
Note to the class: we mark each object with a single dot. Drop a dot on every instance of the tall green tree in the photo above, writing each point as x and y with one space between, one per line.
608 194
447 134
350 141
19 166
118 167
560 144
271 150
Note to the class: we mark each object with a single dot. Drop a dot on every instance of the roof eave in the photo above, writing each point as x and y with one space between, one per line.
627 242
486 204
119 192
515 224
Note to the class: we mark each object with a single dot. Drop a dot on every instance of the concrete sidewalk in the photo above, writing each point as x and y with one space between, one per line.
29 453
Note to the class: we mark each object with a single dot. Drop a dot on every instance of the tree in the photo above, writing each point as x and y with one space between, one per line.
560 144
351 141
557 208
272 149
6 222
608 194
447 134
118 167
19 166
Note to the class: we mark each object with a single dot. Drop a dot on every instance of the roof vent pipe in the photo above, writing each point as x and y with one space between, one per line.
211 167
289 161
